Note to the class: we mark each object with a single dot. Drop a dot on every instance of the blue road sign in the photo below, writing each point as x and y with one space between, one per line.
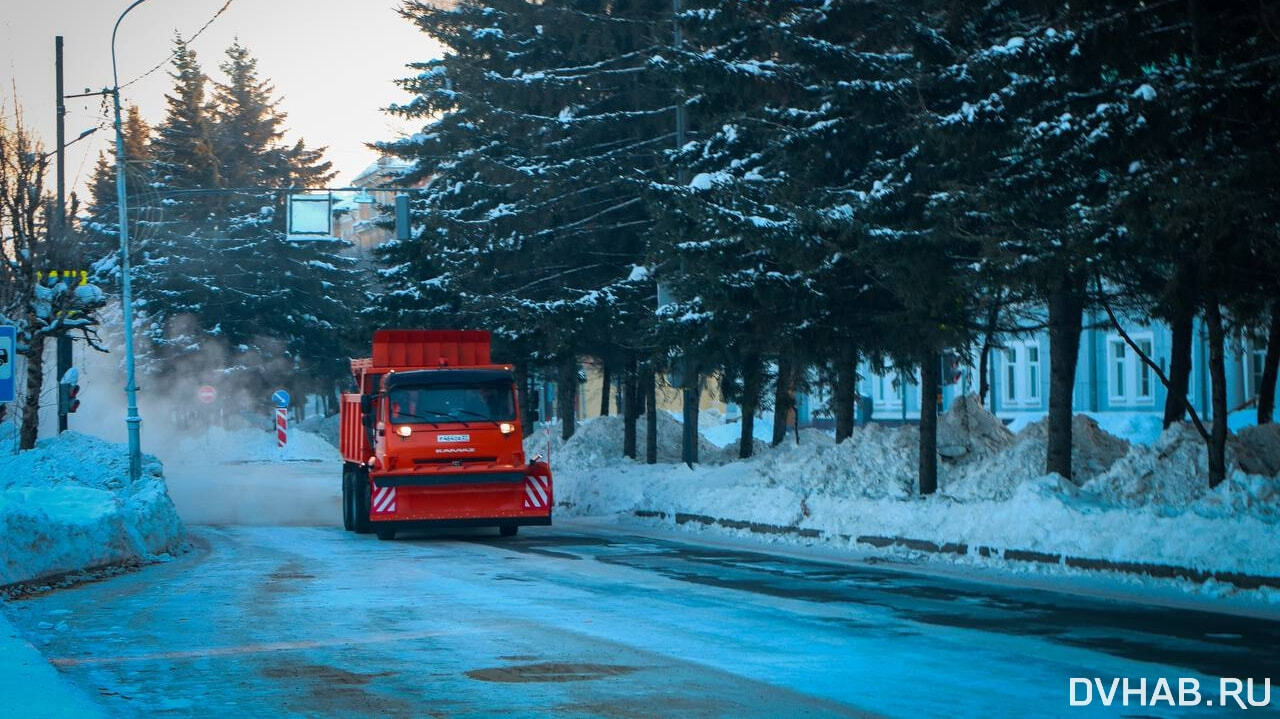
8 357
280 398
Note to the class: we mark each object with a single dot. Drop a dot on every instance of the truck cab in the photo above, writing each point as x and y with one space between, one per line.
437 444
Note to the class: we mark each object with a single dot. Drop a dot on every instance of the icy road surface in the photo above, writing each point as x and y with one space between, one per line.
584 621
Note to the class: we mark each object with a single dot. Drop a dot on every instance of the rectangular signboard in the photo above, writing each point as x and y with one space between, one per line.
8 358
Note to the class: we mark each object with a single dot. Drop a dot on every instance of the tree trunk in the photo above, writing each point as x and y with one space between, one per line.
984 357
630 410
1181 323
1270 363
527 399
1218 383
1066 314
784 399
929 423
604 389
845 389
650 416
752 379
567 397
691 396
30 429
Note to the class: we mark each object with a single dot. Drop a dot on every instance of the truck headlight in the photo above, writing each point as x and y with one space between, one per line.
506 428
404 430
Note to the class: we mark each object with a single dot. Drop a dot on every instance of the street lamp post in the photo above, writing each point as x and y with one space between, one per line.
132 419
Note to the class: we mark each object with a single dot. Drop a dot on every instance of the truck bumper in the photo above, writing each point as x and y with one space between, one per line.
525 498
399 524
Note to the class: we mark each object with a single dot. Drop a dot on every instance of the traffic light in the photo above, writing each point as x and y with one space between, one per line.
68 398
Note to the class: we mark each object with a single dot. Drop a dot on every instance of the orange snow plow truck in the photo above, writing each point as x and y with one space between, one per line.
432 439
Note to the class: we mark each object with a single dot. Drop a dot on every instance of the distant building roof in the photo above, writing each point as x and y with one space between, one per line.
381 170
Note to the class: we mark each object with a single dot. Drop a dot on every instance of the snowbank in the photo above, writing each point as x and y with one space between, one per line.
327 428
598 443
254 445
1133 502
68 505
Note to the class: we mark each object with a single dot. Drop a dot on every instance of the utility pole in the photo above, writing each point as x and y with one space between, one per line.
60 220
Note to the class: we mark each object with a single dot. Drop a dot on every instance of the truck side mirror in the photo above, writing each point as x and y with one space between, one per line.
366 404
533 415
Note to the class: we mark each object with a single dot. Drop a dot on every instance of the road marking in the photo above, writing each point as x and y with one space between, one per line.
244 649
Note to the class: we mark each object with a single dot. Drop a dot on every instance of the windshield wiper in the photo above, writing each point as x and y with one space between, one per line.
477 415
446 415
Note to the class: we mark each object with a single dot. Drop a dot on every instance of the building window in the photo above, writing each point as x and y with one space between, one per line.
1022 372
886 389
1129 379
1255 358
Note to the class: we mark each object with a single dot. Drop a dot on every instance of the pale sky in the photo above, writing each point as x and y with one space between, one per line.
332 63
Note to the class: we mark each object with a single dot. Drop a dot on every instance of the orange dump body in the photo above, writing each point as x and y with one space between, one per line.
436 429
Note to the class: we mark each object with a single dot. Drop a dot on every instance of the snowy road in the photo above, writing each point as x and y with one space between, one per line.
583 621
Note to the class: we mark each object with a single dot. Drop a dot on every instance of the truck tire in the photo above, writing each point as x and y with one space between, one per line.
360 522
348 510
508 530
385 533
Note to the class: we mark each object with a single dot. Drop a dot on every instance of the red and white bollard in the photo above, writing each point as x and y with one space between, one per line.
282 429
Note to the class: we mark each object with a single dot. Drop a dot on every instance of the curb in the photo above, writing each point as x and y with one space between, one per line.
1162 571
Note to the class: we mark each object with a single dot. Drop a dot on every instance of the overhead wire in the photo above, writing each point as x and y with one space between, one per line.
197 33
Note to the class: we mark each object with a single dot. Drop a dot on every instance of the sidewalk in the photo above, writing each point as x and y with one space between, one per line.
30 687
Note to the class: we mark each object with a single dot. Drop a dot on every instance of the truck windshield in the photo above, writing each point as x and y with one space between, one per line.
436 403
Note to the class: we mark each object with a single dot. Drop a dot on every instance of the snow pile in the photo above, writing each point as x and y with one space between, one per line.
968 431
1138 503
1171 475
1000 474
255 445
68 505
1260 447
327 428
599 442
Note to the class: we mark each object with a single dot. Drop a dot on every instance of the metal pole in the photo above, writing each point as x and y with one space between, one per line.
59 221
132 419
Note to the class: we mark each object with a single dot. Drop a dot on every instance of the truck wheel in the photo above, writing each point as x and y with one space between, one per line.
386 533
508 530
360 522
348 510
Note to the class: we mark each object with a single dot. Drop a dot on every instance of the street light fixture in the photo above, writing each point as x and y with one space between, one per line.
132 420
69 143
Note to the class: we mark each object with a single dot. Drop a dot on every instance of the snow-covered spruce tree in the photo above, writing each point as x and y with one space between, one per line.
532 225
37 304
286 302
1196 223
799 102
99 227
174 263
735 302
1045 74
211 258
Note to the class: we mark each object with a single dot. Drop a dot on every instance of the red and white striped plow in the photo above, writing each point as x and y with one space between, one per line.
383 500
537 492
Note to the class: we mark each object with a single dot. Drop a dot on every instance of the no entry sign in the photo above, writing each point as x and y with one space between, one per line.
207 394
